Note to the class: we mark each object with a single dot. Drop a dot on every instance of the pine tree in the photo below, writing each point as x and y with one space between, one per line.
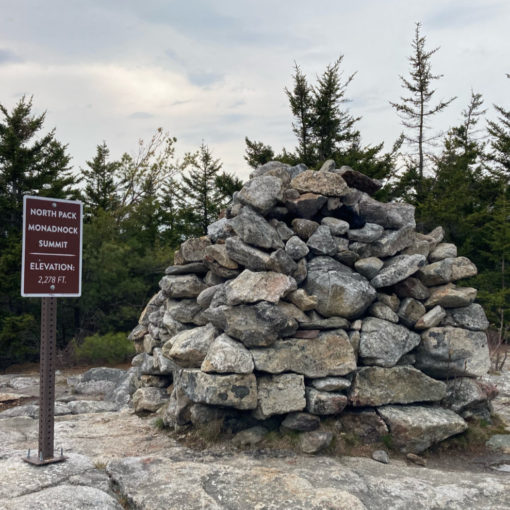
416 109
257 153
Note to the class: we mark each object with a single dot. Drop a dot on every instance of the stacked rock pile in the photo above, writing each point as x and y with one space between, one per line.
311 299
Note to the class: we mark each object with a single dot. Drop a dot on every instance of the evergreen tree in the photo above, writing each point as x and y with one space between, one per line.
257 153
417 108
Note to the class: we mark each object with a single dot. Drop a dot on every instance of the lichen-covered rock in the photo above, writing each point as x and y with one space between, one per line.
315 441
392 241
192 250
447 270
323 183
464 393
368 267
234 390
389 215
469 317
377 386
382 311
189 348
453 352
324 403
306 205
415 428
149 399
384 343
281 262
261 193
363 423
398 269
331 383
182 286
255 230
450 296
336 226
443 251
410 311
330 354
301 422
412 287
296 248
280 394
431 319
302 300
321 242
368 234
246 255
225 355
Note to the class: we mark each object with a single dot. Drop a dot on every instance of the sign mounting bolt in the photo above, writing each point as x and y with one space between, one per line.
54 204
52 287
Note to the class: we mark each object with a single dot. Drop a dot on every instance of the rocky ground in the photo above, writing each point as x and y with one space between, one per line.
119 460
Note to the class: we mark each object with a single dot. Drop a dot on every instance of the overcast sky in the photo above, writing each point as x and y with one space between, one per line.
116 70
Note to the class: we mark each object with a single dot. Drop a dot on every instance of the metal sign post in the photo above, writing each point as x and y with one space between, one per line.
51 268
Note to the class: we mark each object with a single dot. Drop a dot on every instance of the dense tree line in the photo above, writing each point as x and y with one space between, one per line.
139 208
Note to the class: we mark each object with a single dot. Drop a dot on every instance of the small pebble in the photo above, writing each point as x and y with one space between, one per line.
381 456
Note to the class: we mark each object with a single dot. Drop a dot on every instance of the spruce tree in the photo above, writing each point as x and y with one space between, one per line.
256 153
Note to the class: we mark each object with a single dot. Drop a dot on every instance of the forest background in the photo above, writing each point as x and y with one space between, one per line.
138 209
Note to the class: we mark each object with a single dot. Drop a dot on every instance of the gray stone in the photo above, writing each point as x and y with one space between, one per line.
255 325
382 311
381 456
206 296
304 228
324 183
412 287
255 230
91 406
389 215
336 226
316 321
192 267
365 424
235 390
330 354
189 348
293 313
301 272
192 250
368 234
376 386
301 421
469 317
262 193
281 262
280 394
398 269
342 244
250 437
219 230
182 286
246 255
443 251
226 355
464 393
431 319
359 181
315 441
211 279
447 270
450 296
138 333
384 343
390 300
451 352
302 300
184 310
392 241
267 167
250 287
324 403
416 428
321 242
306 205
172 326
283 230
296 248
368 267
421 245
411 311
218 253
499 443
341 292
331 384
201 414
327 166
149 399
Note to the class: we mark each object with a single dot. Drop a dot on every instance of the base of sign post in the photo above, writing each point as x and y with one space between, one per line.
38 462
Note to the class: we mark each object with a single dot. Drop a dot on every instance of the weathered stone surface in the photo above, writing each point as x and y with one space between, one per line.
410 311
304 228
246 255
281 262
389 215
251 436
431 319
262 193
469 317
149 399
292 312
340 292
250 287
463 393
384 343
315 440
235 390
324 403
368 267
219 230
255 230
330 354
226 355
183 310
321 242
392 241
381 456
421 245
443 251
412 287
188 348
336 226
182 286
398 269
450 296
138 333
318 322
331 384
306 205
499 443
269 166
376 386
296 248
149 343
302 300
415 428
192 250
301 272
171 325
368 234
451 352
206 296
324 183
301 421
256 326
359 181
213 279
218 253
382 311
280 394
390 300
447 270
192 267
363 423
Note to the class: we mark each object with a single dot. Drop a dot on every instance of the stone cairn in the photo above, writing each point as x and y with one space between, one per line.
310 300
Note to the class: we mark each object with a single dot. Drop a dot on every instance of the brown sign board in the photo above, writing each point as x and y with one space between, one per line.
52 247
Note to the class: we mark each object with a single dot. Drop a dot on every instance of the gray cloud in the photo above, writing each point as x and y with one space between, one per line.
8 57
141 115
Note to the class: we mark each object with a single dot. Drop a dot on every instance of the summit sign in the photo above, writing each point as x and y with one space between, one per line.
52 247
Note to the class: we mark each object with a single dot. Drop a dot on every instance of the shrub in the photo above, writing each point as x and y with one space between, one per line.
111 348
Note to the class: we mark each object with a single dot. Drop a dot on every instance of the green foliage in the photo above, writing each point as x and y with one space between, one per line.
257 153
111 348
19 339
